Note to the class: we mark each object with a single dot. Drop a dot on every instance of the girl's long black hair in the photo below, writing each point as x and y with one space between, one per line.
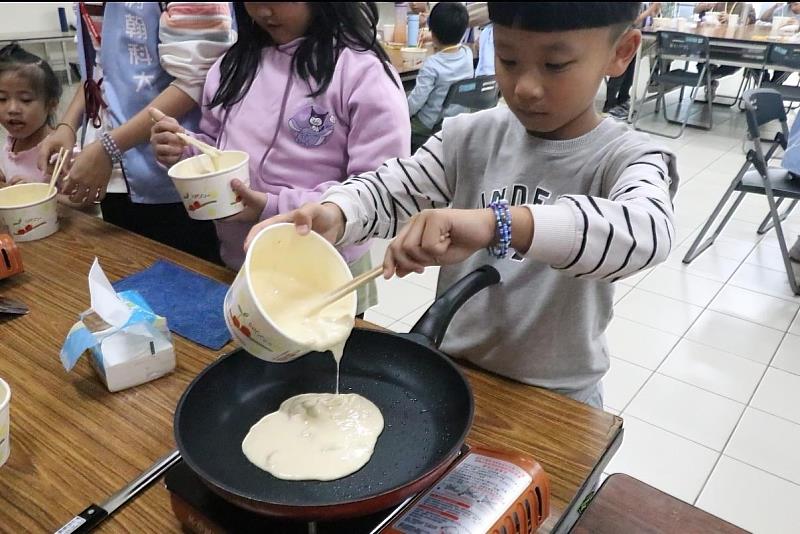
334 26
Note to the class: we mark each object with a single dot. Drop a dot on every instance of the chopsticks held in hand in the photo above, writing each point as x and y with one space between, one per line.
346 289
63 155
212 152
208 150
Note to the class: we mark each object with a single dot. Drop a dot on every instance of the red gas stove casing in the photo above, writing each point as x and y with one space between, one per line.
10 257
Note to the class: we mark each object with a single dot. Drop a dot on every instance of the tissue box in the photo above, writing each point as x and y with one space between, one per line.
125 356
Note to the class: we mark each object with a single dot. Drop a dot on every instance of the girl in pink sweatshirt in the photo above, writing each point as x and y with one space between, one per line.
309 93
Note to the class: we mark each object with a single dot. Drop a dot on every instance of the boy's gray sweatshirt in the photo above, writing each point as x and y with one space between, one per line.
602 210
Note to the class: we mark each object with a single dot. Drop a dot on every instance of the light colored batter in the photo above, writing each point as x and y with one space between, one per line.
315 436
286 298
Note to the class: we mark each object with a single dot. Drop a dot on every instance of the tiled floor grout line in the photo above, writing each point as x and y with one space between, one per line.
741 416
668 431
784 419
726 283
681 337
672 348
793 483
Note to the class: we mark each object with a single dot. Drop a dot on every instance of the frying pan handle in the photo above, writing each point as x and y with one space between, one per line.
433 324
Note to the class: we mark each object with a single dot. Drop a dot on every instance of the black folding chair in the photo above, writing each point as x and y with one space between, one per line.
474 94
784 56
675 46
762 106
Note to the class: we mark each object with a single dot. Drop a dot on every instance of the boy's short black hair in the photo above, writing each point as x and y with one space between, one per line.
563 16
448 22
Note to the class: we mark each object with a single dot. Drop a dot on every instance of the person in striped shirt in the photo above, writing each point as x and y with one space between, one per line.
591 200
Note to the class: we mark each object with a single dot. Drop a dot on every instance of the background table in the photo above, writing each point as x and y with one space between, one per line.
625 504
73 443
737 46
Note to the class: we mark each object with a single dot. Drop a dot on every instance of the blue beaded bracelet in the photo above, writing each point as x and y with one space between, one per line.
502 216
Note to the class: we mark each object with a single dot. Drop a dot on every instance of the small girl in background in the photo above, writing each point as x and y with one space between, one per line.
309 93
29 95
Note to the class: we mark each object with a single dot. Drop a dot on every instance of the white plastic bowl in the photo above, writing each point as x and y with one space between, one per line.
279 248
30 211
208 195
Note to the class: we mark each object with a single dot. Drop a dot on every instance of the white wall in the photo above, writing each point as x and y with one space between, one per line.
21 18
385 13
18 17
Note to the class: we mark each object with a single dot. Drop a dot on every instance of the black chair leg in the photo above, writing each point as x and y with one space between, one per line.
767 225
699 245
776 221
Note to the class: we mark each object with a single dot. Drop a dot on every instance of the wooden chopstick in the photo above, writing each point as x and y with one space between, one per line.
63 153
346 289
199 145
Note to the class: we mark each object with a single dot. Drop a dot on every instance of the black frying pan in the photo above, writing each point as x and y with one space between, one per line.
426 404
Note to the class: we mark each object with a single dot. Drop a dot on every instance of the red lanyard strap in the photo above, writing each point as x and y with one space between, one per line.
89 23
93 97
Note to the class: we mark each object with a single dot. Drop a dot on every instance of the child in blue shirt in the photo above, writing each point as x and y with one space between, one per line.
452 62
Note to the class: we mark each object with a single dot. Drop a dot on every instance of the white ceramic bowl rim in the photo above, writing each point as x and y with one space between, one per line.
214 174
50 196
5 399
247 258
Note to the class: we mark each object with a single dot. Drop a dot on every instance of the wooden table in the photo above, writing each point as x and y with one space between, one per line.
408 71
73 443
403 66
624 504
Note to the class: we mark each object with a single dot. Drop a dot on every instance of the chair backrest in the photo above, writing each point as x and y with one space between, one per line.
676 45
762 106
475 94
784 55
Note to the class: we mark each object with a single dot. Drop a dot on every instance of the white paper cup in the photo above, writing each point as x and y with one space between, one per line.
30 211
5 427
208 195
281 249
413 57
388 33
733 20
780 22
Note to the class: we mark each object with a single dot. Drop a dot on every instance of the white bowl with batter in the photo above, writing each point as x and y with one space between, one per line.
206 193
282 272
30 211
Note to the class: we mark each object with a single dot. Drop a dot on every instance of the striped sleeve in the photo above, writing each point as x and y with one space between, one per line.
192 36
610 238
377 204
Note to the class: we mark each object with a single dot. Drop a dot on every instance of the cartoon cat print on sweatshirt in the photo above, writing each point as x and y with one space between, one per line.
312 127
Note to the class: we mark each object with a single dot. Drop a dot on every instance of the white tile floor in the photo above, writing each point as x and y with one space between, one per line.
706 357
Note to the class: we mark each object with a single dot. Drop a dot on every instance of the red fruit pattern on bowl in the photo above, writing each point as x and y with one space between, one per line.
29 228
240 323
196 205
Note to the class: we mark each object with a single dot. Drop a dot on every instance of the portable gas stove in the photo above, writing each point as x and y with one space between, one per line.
10 258
483 491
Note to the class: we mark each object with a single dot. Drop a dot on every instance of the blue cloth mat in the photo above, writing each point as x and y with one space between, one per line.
192 303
